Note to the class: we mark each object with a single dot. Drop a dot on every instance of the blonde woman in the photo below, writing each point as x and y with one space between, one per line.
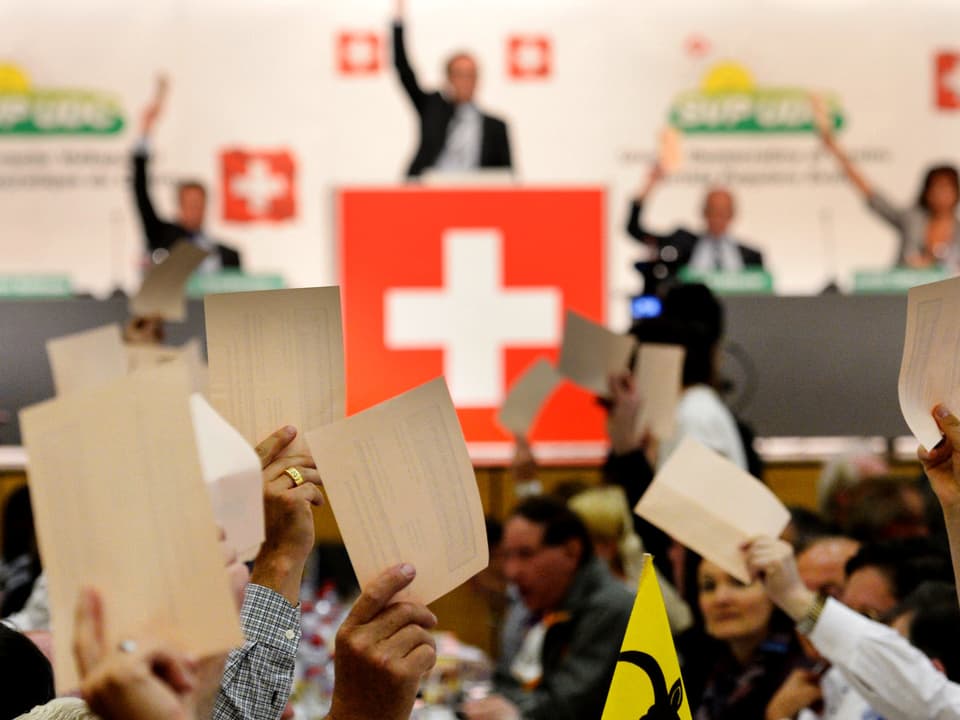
605 512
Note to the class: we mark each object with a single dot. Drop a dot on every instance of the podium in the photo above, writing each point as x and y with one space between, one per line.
471 282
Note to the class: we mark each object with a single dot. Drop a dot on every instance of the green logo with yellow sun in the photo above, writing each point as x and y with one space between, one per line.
729 101
25 110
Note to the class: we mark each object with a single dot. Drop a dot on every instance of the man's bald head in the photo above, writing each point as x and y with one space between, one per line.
718 211
822 565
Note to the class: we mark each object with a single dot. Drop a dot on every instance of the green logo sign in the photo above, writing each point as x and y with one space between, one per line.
25 110
729 101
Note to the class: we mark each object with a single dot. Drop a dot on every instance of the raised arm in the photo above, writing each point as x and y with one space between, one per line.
635 222
893 676
407 76
942 466
258 676
824 128
152 225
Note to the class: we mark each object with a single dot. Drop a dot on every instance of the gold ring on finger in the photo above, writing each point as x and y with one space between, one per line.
295 475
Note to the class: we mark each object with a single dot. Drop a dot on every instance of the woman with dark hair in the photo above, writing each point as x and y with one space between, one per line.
930 230
744 652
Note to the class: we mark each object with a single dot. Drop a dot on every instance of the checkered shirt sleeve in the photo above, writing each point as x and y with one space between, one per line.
258 677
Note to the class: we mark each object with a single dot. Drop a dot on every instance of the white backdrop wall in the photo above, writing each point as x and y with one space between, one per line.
263 74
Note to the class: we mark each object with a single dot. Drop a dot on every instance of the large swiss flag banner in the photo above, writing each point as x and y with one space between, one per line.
471 284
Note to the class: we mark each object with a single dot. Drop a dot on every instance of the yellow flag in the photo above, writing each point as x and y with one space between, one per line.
647 683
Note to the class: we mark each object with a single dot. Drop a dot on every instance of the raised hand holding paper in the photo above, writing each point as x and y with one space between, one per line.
163 293
591 353
402 488
276 358
527 396
120 505
930 368
87 359
707 503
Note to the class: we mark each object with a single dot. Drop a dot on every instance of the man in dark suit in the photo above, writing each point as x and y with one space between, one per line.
712 250
569 619
191 204
454 134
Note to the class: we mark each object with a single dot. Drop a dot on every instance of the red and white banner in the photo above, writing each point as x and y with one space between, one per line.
585 85
471 284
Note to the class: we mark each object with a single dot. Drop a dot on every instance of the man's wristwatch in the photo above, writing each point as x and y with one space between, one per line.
809 621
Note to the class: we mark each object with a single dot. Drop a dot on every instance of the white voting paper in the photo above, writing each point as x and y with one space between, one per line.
163 293
120 505
591 353
231 471
402 488
707 503
140 356
276 358
659 379
930 369
87 359
527 396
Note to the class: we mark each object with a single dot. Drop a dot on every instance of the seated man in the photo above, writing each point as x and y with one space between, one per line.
162 235
714 249
575 615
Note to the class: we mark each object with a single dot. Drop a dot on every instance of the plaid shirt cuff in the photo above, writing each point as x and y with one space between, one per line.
266 617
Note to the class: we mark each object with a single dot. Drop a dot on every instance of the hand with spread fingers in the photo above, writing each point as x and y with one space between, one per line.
291 489
382 651
142 679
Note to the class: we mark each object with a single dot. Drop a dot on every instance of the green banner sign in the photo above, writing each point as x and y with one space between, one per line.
896 281
201 284
745 282
35 286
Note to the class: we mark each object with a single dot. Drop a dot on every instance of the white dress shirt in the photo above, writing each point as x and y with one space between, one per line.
716 255
702 415
461 151
890 674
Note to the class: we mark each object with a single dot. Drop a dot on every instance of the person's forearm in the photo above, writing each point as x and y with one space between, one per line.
846 164
951 518
279 573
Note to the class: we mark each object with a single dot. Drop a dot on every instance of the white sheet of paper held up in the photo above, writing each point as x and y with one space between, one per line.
87 359
527 396
707 503
591 353
659 379
276 358
120 505
231 471
930 368
402 489
163 292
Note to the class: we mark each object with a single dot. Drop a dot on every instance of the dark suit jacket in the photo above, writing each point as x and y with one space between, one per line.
162 234
580 649
435 113
682 240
